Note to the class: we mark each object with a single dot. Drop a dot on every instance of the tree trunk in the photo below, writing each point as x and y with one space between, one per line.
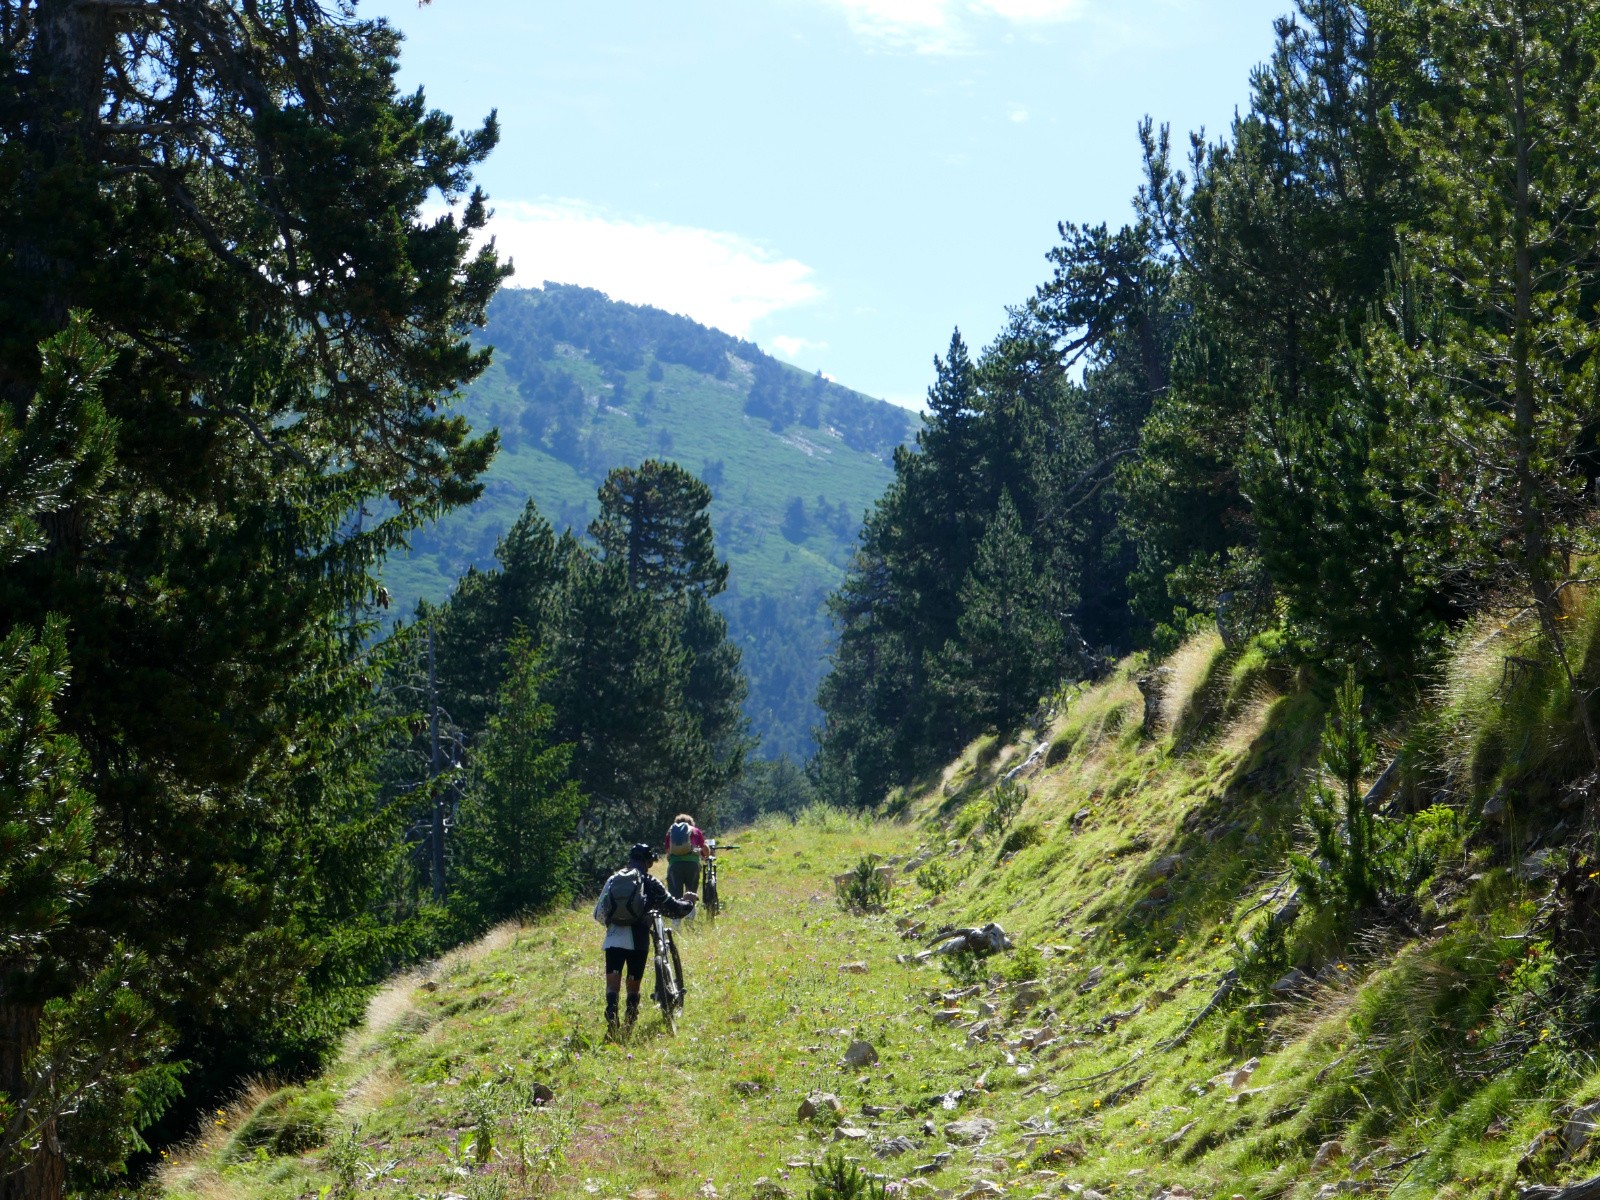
65 82
31 1172
1588 1190
1530 501
65 85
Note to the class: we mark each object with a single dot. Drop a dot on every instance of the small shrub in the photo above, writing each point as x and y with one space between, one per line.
1166 637
1062 747
1025 963
965 967
967 819
1359 860
837 1178
1029 833
484 1105
940 876
1005 802
347 1159
864 890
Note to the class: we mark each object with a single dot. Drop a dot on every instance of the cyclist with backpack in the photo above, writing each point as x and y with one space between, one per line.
686 850
624 908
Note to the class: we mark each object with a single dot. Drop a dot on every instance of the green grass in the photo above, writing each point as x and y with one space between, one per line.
1430 1051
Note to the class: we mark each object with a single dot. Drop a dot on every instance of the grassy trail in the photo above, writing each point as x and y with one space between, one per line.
447 1064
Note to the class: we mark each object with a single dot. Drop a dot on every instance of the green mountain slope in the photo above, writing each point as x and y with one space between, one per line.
581 384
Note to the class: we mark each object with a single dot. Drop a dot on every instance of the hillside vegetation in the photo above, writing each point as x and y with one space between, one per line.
581 384
1178 1016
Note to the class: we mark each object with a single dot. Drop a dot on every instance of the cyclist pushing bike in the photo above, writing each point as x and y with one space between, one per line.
627 902
686 850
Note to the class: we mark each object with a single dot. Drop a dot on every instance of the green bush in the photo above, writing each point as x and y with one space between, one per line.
1029 833
1166 637
968 819
1339 873
1005 802
1360 861
965 967
864 890
940 875
837 1178
290 1121
1025 963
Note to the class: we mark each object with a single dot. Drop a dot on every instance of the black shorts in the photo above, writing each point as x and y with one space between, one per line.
635 958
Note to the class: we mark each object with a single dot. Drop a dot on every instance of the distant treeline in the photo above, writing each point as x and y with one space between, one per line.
1332 384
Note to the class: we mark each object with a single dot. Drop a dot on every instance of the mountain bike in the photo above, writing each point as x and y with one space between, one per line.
670 988
709 897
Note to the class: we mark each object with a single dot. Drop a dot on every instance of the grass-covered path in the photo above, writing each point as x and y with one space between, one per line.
438 1094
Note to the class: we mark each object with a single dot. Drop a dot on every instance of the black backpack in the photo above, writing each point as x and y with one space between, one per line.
625 899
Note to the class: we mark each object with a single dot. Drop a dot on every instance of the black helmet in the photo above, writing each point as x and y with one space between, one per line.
642 852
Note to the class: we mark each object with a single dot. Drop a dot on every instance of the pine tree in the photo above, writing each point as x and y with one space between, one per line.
475 628
1010 645
1284 239
232 193
74 1036
1344 873
1504 134
619 673
517 819
656 519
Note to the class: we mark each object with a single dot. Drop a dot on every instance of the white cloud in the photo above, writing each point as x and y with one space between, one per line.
940 26
719 279
1030 12
794 347
1019 115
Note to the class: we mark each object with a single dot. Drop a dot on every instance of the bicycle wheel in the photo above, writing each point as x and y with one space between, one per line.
680 989
711 901
666 995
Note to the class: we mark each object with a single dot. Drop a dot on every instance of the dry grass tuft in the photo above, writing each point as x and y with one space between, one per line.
388 1005
191 1168
1474 669
372 1091
1243 730
1191 666
498 938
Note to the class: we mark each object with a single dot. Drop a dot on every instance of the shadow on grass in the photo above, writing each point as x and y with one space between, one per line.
1244 820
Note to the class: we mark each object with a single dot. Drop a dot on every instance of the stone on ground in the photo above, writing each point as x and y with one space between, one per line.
972 1131
861 1054
818 1102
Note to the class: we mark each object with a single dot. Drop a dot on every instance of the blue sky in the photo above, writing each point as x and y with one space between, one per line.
842 181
